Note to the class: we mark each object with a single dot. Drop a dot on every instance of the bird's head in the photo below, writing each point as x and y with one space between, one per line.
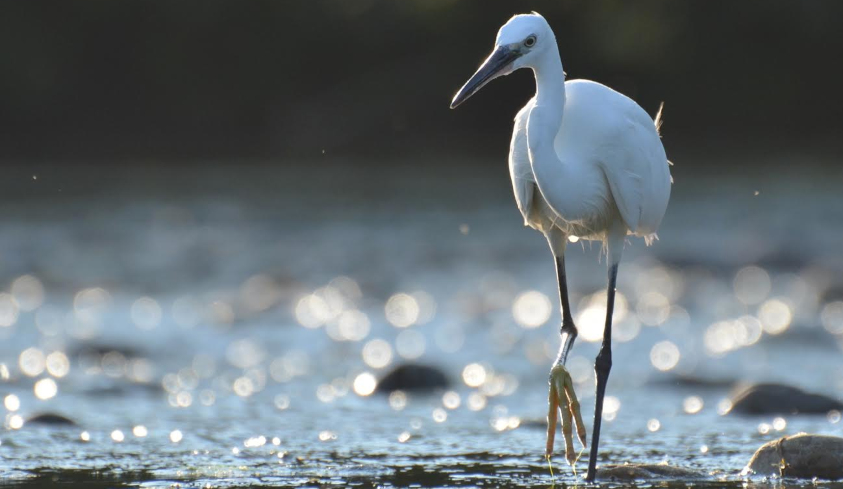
519 43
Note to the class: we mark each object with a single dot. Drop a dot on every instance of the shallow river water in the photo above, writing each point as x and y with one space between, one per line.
213 326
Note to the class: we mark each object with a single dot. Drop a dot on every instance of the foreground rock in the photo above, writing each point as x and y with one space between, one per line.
804 456
780 399
634 472
413 377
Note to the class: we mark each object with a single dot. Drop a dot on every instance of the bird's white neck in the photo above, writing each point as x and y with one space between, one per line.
546 115
547 112
542 127
550 83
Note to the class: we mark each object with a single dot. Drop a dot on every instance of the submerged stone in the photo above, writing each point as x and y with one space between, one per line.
780 399
124 388
691 381
633 472
804 456
413 377
51 419
100 350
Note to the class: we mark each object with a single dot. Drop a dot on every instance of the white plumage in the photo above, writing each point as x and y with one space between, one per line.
608 166
585 161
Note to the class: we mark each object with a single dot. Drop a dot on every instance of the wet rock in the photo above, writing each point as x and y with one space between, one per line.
51 419
780 399
100 350
804 456
413 377
633 472
533 423
804 336
121 389
691 381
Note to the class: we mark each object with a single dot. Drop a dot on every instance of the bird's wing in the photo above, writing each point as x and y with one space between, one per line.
520 170
629 170
627 191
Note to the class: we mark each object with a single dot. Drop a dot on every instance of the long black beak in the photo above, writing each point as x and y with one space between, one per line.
488 71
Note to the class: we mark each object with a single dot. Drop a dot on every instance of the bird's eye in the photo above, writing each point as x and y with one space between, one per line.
530 41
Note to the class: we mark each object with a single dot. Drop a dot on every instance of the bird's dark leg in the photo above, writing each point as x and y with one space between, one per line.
601 367
569 330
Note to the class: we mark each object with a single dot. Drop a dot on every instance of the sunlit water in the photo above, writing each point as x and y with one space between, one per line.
206 326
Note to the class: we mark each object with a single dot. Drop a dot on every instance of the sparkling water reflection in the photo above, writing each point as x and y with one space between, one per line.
231 351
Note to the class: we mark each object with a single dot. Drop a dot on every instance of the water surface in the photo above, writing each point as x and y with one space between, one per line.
206 327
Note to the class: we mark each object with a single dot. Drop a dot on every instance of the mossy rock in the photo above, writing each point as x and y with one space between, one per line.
803 456
645 472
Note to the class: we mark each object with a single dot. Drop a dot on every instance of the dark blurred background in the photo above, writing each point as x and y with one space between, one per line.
100 80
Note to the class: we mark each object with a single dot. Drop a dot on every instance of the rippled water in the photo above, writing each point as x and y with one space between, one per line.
210 327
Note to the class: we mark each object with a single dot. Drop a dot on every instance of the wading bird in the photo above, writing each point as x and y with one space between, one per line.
585 161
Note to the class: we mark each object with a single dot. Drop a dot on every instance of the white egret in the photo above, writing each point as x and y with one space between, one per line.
585 161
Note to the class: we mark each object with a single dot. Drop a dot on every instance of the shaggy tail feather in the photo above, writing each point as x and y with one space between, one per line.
658 119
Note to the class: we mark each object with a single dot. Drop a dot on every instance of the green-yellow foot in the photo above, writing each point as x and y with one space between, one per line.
562 399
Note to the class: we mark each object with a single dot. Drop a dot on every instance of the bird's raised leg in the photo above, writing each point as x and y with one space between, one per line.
601 367
562 399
